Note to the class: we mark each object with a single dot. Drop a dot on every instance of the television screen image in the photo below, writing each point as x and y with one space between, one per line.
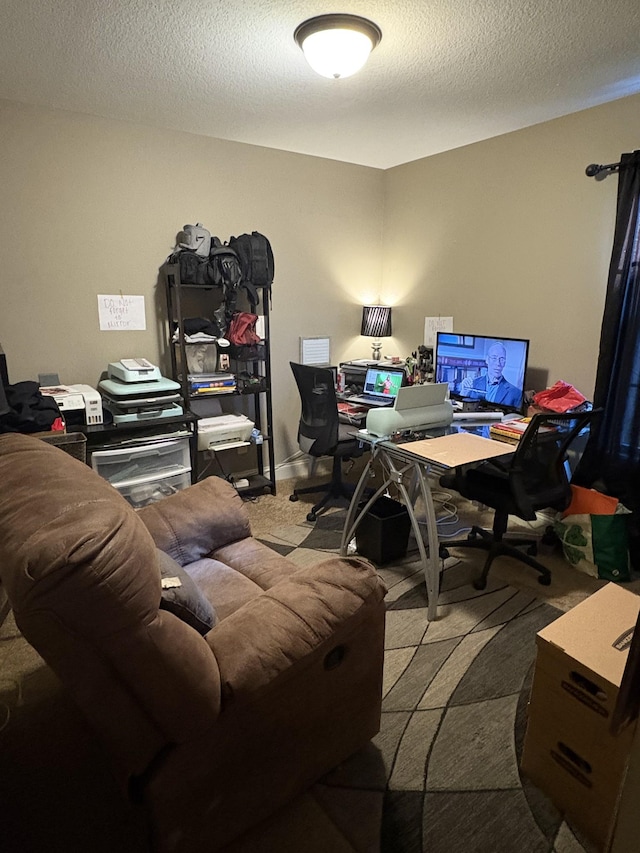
483 369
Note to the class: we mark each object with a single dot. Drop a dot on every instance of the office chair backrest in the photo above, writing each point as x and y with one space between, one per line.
318 428
541 454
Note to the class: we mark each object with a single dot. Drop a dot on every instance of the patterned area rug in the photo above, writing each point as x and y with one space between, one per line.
454 711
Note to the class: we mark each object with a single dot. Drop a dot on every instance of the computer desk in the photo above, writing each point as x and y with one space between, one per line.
408 466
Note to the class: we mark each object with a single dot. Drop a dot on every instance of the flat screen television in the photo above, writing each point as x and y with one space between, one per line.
486 370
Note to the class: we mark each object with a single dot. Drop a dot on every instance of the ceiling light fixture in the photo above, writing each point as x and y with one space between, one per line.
337 45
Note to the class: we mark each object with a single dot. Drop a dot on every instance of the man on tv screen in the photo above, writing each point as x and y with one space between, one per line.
493 387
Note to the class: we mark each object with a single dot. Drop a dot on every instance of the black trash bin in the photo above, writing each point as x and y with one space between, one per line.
383 534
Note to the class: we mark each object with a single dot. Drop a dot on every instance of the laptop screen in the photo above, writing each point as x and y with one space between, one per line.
382 383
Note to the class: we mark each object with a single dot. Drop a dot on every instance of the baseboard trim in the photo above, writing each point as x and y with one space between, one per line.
297 468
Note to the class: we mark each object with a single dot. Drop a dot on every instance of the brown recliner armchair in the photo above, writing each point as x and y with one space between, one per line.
211 732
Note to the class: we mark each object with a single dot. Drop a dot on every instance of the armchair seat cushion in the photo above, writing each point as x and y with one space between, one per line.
219 582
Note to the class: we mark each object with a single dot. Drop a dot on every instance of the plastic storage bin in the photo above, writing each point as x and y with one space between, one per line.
383 534
142 493
151 461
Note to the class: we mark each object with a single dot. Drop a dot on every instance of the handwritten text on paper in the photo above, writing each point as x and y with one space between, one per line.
118 313
432 325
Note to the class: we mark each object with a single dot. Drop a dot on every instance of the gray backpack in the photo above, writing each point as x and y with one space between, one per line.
195 238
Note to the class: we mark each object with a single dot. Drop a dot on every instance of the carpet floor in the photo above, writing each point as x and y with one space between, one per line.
454 709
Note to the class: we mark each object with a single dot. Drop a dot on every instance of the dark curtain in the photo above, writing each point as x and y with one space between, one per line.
611 461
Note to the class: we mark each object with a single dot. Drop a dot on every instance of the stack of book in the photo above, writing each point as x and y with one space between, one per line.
509 431
512 431
212 383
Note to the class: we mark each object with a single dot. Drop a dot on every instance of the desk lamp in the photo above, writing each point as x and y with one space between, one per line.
376 324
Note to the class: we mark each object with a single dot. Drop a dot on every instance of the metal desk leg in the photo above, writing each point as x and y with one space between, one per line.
351 525
432 568
395 474
349 528
429 562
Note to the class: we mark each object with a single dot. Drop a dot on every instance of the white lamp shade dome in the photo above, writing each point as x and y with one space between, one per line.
337 46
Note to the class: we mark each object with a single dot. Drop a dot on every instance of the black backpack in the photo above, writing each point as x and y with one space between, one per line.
256 258
225 264
194 269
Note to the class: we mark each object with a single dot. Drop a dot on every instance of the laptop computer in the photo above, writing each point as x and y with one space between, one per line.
419 396
381 387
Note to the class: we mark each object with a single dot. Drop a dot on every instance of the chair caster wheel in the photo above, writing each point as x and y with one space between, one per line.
544 580
443 553
480 583
311 516
294 498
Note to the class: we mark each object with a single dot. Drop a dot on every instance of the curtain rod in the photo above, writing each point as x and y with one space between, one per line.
593 169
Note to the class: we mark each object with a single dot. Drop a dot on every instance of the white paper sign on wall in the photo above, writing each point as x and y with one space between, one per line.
121 313
315 350
432 325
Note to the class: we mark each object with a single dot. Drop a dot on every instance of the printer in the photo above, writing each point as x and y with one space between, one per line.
416 407
223 432
78 403
135 390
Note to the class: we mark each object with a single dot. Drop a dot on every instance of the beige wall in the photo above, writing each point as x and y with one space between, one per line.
507 235
511 238
93 206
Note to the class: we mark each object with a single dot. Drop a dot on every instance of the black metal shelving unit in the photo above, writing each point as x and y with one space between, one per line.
250 398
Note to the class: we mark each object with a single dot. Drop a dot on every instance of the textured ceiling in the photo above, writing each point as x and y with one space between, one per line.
447 72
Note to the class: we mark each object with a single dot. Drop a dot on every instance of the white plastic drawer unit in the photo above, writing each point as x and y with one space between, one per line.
141 494
144 463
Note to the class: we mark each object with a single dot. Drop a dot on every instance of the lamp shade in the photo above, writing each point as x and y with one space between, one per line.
337 45
376 321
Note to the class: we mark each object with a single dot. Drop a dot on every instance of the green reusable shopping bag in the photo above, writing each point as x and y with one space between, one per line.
597 544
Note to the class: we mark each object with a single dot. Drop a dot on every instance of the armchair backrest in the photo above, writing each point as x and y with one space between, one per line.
541 455
319 426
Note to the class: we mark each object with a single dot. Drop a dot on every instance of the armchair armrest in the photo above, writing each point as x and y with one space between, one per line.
200 519
291 621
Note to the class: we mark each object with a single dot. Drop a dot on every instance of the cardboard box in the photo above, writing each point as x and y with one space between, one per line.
569 752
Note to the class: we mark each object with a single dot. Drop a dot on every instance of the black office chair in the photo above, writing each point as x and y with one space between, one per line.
321 434
533 478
